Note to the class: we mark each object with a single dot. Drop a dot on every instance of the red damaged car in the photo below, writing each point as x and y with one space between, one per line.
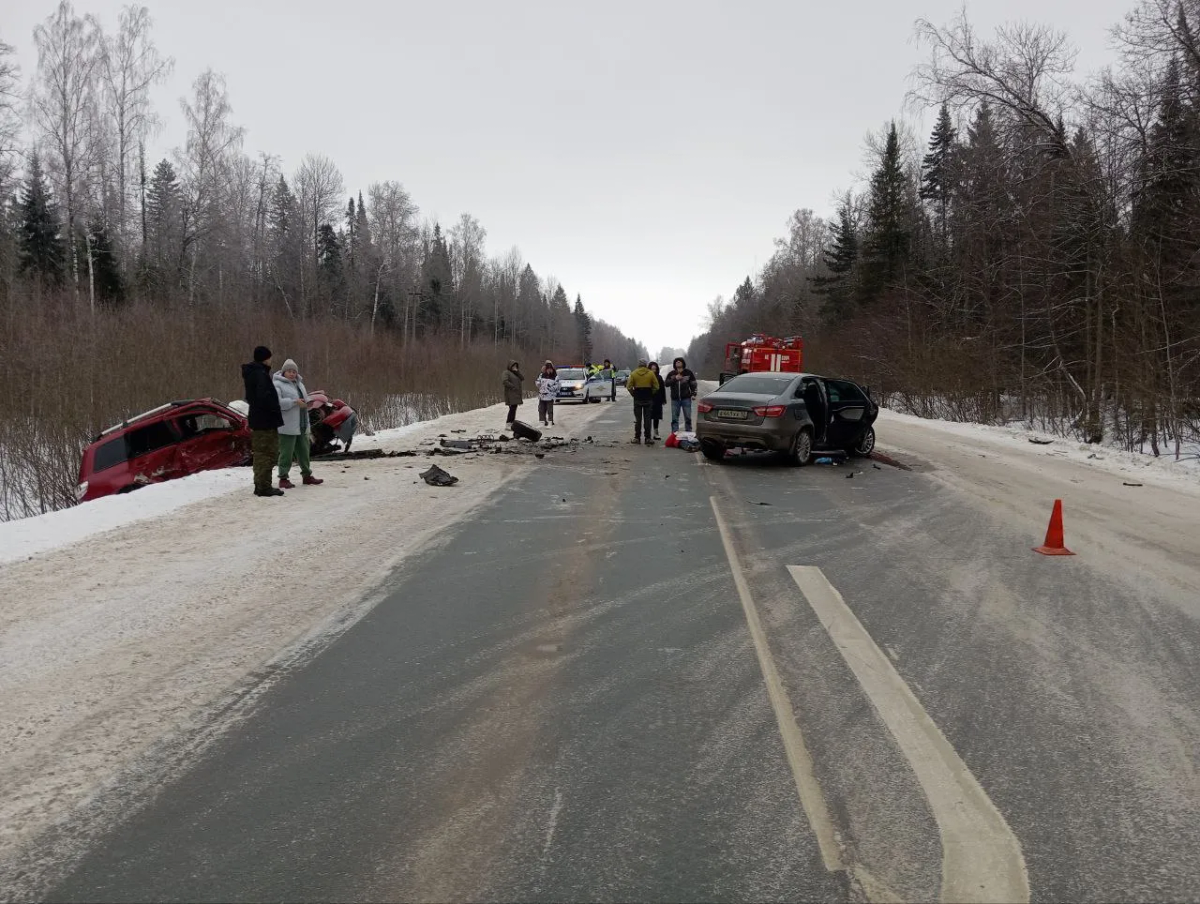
170 441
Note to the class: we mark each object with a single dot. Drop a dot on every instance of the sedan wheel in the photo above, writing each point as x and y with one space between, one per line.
801 452
865 445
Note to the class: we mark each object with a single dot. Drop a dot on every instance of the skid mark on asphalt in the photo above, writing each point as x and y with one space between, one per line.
981 857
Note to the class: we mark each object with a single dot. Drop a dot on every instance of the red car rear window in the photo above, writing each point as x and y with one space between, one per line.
136 442
108 455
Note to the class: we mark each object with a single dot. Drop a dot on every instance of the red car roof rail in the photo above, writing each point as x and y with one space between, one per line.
121 425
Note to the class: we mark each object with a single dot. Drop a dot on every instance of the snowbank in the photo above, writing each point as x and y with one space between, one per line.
27 537
1165 470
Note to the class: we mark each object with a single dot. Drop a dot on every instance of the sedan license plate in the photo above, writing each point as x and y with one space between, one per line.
733 413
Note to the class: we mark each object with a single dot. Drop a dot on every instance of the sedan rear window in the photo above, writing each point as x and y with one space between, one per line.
757 384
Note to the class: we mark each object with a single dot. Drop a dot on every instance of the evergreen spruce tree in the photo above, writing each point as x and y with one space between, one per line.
163 219
362 231
937 173
889 220
330 265
841 259
583 331
437 290
106 269
283 208
41 252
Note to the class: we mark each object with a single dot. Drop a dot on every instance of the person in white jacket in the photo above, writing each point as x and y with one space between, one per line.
293 435
547 387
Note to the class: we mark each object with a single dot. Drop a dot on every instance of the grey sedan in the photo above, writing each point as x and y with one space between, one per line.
795 414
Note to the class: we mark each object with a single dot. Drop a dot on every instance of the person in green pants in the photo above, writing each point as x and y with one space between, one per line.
293 435
265 419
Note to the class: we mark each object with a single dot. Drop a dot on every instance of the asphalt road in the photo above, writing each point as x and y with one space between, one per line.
608 685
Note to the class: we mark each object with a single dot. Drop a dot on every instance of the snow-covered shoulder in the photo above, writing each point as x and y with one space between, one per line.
25 537
1163 469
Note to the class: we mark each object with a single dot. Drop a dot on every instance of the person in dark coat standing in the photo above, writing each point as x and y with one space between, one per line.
265 419
682 383
512 391
660 399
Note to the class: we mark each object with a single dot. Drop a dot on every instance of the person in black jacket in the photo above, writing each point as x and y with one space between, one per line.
265 419
660 399
682 383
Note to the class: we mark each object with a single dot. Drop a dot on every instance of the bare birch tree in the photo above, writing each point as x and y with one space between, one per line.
63 98
10 118
204 163
131 66
319 193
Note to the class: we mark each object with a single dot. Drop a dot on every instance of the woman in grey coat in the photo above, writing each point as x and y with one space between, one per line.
512 391
293 435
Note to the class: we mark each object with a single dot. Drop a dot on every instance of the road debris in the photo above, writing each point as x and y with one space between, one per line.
521 430
1127 484
436 477
1040 442
363 454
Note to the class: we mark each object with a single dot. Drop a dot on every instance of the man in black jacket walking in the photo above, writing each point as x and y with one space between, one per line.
265 419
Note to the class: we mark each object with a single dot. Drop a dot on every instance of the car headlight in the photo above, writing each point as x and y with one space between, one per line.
81 491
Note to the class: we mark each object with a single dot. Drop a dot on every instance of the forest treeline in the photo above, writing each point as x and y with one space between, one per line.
125 279
1037 258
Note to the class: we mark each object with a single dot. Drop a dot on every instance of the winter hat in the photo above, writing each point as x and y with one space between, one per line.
641 362
261 354
289 364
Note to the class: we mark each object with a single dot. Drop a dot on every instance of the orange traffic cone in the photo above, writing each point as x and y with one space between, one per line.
1054 534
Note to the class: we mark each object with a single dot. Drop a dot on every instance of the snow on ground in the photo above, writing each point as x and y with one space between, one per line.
1123 515
1165 470
127 621
25 537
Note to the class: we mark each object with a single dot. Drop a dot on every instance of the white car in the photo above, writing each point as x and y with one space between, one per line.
571 384
598 389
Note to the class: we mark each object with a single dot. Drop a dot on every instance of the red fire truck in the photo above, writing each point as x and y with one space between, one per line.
763 353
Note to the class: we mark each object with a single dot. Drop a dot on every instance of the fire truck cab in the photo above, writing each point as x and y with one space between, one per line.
761 353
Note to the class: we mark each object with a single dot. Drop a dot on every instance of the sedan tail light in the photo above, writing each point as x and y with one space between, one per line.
770 410
704 407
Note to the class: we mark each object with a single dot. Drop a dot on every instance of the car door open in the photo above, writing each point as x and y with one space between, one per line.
847 408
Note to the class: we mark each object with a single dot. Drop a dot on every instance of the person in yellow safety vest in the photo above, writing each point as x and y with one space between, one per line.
642 384
607 372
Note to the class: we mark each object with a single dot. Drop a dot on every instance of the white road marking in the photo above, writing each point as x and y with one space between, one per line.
981 857
553 824
811 797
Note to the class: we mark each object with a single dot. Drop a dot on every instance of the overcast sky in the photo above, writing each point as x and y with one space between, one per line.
644 153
